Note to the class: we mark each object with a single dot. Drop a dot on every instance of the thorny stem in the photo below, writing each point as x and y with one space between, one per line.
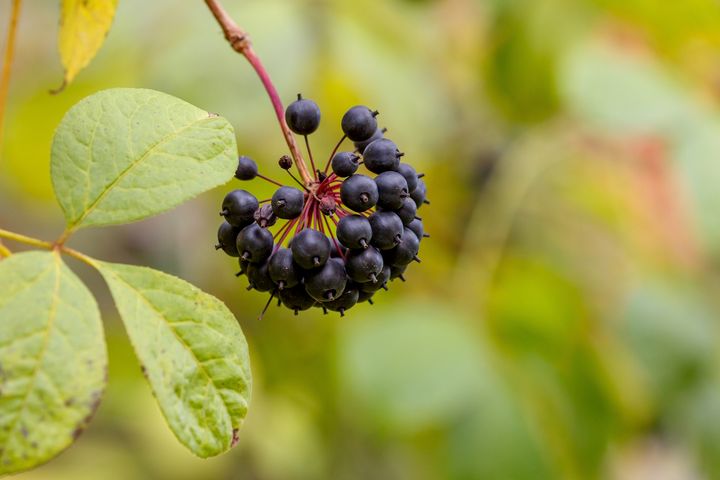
240 42
8 59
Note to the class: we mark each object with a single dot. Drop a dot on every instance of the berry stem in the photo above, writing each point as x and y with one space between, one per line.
337 147
267 179
312 160
240 42
7 60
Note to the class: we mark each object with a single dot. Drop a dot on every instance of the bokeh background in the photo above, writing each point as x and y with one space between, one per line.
564 321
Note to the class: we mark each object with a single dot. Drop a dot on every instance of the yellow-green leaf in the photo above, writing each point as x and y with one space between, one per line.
84 24
192 351
52 359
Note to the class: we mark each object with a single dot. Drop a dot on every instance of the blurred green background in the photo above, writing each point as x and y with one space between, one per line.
564 321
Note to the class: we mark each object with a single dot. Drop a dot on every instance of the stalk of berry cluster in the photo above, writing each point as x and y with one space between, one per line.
240 42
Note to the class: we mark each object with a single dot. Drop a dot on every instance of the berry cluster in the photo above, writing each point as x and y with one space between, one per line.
347 234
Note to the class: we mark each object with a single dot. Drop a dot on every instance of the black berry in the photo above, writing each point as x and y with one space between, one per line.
247 168
406 251
359 123
310 249
362 145
381 156
296 298
227 235
254 243
354 231
387 229
239 207
392 189
344 302
359 192
259 277
419 194
303 116
382 279
407 171
288 202
326 283
345 164
282 269
407 211
363 265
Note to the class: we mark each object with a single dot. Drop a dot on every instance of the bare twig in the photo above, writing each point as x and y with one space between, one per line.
240 42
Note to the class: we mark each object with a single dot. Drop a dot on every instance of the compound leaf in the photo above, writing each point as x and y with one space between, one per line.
84 24
125 154
53 359
192 351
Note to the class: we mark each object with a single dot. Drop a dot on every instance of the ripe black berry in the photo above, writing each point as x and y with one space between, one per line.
296 298
362 145
288 202
344 302
382 279
359 123
392 189
387 229
407 211
247 168
259 277
417 228
283 270
407 171
322 253
303 116
227 234
345 164
254 243
238 208
359 192
364 265
354 231
419 194
381 156
327 283
406 251
310 249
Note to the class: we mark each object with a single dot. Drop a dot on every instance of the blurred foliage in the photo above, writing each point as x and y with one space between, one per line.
564 321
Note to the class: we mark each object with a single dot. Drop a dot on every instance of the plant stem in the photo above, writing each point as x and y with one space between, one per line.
25 239
240 42
47 246
4 251
7 61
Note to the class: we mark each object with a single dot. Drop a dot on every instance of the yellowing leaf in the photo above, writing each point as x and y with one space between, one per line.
84 24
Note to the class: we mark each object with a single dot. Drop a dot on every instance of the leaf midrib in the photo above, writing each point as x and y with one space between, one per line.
130 167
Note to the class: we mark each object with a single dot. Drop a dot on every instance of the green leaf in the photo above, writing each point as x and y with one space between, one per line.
84 24
192 351
125 154
53 360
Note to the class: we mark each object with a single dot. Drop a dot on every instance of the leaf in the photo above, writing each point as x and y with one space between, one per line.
192 351
84 24
125 154
53 360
